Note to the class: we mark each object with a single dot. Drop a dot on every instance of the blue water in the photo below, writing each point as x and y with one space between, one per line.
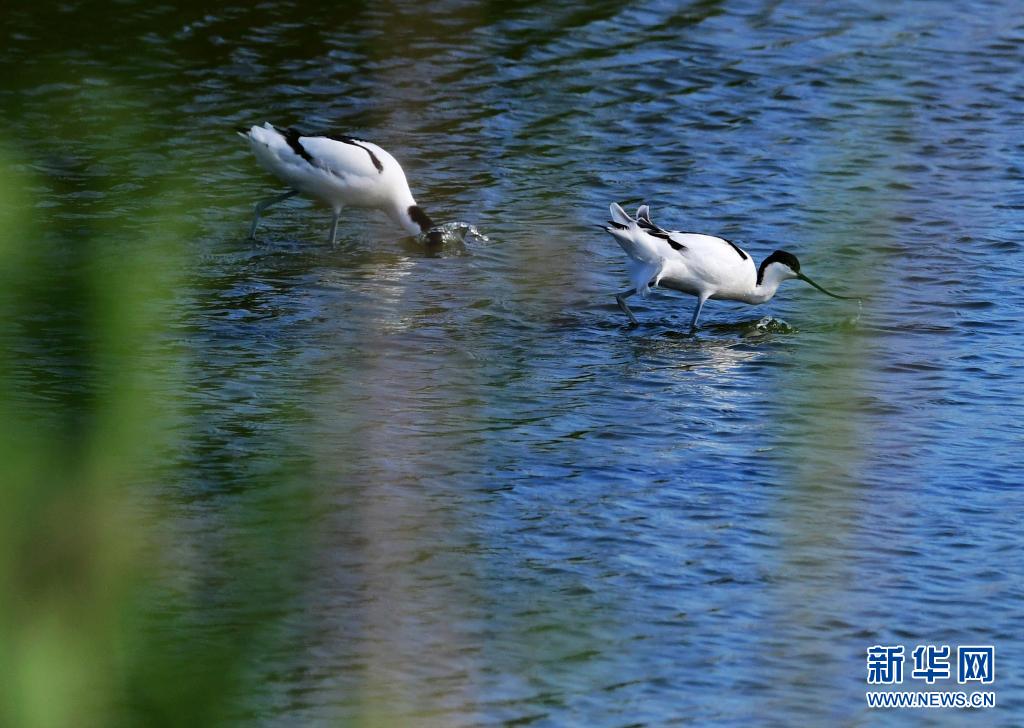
515 508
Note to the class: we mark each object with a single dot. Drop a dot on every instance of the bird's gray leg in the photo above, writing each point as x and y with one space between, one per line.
621 298
696 314
263 205
334 227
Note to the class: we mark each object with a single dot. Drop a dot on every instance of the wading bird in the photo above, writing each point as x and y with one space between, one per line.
700 265
339 170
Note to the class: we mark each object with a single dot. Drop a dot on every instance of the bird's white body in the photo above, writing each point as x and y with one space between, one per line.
341 171
701 265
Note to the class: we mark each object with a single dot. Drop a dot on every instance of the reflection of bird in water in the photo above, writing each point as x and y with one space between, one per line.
342 171
700 265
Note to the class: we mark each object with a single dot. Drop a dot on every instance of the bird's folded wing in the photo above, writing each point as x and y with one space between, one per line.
345 158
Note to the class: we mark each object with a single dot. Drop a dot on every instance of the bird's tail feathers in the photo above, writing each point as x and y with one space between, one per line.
620 216
645 263
253 132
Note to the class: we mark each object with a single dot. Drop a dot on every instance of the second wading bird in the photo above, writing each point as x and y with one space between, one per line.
340 170
700 265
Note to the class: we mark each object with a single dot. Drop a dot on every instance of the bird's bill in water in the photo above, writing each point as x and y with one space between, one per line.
804 278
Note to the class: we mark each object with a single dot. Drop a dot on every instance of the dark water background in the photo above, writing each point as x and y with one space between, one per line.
412 489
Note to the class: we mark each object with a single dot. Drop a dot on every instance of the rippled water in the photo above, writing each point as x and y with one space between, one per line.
518 509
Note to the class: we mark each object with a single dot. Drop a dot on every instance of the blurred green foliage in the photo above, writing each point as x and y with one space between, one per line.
100 625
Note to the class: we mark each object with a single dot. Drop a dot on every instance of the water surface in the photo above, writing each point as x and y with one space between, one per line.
513 507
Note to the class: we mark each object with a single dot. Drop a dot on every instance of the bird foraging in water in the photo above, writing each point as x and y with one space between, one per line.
340 170
700 265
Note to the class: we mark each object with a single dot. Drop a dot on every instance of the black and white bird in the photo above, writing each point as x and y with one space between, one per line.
341 171
700 265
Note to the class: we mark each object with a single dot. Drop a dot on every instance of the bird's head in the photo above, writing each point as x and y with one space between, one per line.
781 266
420 223
777 267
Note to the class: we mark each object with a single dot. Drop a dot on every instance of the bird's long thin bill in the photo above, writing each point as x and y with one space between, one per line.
827 293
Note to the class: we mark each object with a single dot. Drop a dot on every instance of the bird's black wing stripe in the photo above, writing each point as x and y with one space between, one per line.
659 233
674 244
736 248
665 235
654 231
354 141
292 137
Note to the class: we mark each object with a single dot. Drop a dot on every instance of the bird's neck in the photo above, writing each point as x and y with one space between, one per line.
765 289
763 292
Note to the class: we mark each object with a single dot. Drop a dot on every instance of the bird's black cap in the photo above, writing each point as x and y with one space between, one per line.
779 256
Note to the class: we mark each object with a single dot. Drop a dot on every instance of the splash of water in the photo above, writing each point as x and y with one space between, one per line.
456 233
772 325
